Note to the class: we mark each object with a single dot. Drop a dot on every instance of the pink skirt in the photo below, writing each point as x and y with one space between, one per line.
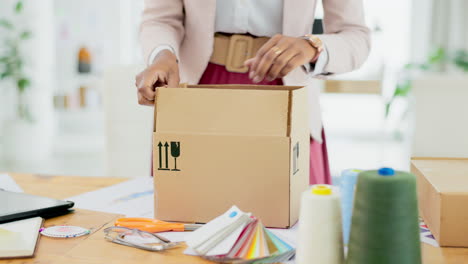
319 168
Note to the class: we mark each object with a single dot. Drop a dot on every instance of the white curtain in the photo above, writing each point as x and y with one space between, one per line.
450 24
438 23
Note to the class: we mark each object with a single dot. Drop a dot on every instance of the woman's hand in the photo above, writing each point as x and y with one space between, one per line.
279 56
163 71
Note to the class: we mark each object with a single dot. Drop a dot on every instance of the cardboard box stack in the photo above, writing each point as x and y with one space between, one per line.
218 146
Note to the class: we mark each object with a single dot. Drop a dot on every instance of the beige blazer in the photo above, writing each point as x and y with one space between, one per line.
188 27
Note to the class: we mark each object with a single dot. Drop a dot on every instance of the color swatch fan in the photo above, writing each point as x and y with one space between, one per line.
238 237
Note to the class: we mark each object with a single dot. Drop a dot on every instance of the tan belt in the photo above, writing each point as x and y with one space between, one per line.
232 51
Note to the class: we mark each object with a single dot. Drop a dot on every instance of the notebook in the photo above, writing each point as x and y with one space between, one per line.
18 239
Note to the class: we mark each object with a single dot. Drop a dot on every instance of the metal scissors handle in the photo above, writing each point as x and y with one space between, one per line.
154 225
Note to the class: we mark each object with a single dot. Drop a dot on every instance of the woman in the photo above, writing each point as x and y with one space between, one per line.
219 42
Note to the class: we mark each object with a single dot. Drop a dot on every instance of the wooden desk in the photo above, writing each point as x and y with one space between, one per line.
93 249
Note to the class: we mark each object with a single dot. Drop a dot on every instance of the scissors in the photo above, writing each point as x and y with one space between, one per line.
154 225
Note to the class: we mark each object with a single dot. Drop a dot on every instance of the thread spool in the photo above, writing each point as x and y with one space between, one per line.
347 189
384 226
320 238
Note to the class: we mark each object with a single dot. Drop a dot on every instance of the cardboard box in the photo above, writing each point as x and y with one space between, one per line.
443 198
218 146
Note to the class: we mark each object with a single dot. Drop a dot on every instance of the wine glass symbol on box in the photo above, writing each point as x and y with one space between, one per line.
163 149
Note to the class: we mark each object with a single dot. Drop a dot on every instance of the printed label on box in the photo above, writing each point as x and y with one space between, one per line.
296 158
163 149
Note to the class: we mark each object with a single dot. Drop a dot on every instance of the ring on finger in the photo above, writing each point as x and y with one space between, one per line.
277 50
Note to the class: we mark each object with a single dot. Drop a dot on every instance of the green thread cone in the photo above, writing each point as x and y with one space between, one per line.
385 228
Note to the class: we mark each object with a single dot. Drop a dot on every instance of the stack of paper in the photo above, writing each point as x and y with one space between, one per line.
238 237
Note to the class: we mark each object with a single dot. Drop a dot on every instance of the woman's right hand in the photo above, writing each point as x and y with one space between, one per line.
163 71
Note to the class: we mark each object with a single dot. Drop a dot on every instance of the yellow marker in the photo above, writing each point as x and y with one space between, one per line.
321 190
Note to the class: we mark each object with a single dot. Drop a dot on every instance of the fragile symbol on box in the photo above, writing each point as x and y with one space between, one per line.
164 155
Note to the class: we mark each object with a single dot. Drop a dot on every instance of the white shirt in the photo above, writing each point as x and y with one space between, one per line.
257 17
261 18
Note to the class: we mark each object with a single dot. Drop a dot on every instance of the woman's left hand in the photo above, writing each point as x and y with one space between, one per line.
279 56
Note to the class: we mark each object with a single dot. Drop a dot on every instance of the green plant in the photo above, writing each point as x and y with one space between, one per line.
12 62
461 59
435 61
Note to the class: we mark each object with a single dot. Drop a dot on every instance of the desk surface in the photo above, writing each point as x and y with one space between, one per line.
93 249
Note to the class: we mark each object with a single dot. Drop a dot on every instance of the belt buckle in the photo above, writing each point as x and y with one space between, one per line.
240 49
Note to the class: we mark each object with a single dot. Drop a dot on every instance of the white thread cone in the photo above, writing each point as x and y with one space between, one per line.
320 231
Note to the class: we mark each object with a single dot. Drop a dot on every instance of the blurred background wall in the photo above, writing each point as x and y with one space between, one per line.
93 125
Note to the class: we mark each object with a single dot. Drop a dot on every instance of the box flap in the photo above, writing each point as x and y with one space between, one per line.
244 87
232 110
299 150
446 175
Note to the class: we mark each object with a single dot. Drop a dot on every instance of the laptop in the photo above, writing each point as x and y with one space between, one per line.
16 206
